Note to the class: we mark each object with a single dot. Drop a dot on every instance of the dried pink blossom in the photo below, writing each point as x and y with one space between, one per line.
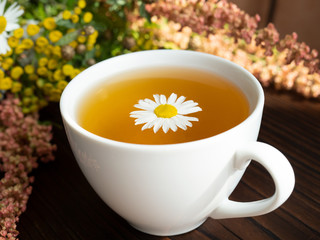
206 17
23 141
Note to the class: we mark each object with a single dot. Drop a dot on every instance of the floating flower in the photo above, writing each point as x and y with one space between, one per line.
166 113
8 23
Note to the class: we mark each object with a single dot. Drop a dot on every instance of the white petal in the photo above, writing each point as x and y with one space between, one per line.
149 124
183 120
165 125
144 105
172 98
189 103
157 99
189 110
163 99
4 47
158 125
144 120
179 123
141 113
13 12
191 118
180 100
152 103
189 124
172 125
12 26
2 6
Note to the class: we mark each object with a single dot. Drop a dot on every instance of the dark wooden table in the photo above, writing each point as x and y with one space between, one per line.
64 206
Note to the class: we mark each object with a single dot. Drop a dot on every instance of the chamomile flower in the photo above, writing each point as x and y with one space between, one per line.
165 113
8 23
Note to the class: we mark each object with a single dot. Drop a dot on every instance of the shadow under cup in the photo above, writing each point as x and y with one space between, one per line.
172 189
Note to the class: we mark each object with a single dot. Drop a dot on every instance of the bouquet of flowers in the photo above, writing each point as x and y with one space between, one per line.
43 46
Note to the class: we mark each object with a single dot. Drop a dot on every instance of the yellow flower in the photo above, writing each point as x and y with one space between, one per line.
92 40
34 108
58 75
67 69
82 4
87 17
49 23
66 15
29 69
5 83
77 10
81 39
13 41
33 29
16 72
47 88
75 72
19 49
75 18
50 76
42 103
89 46
52 64
55 95
42 71
55 36
43 61
95 34
62 84
8 53
16 87
42 41
39 49
7 63
33 77
18 33
56 50
28 92
48 49
27 43
1 74
73 44
70 30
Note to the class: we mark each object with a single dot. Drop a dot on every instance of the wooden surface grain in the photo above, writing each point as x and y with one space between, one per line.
64 206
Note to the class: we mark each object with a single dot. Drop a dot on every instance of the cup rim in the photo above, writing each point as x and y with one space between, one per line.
73 124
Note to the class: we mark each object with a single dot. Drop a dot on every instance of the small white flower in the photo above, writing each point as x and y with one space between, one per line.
166 113
8 23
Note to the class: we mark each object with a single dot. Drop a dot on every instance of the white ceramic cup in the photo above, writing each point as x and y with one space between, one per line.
172 189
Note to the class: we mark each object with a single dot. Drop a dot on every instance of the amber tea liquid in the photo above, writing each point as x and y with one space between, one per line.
105 111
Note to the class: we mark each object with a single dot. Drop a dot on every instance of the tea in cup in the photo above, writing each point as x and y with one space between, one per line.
164 137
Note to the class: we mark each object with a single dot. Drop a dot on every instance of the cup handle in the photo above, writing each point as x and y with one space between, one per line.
280 170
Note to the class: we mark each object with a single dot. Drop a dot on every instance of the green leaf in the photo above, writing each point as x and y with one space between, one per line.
88 55
68 38
65 23
70 3
143 12
40 12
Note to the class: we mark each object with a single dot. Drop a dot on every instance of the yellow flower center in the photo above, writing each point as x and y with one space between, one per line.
3 24
165 111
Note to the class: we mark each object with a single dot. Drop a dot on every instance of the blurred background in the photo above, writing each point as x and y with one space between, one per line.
300 16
